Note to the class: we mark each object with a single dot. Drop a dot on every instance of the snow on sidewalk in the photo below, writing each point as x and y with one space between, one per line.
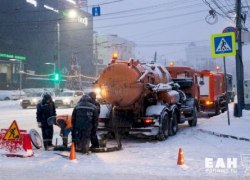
239 127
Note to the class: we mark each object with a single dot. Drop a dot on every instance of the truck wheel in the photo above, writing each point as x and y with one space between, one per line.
173 126
193 122
217 109
164 129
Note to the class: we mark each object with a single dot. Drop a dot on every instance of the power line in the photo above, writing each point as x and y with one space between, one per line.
163 29
70 21
148 20
105 3
168 4
169 43
219 7
154 12
116 25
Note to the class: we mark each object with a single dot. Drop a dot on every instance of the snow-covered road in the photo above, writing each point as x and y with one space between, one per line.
139 158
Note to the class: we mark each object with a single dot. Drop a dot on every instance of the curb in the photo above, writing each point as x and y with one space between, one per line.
224 135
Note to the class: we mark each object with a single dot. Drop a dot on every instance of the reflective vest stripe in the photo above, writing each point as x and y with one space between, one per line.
85 107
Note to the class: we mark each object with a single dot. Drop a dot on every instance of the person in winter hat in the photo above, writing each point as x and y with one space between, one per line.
83 116
93 135
46 109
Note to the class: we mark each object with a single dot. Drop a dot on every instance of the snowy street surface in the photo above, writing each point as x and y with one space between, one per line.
208 152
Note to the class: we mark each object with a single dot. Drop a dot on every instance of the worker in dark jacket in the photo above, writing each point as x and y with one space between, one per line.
93 135
83 116
46 109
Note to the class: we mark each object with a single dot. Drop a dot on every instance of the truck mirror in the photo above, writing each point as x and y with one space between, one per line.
201 82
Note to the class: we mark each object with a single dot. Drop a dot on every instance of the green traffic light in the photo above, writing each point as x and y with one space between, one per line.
56 77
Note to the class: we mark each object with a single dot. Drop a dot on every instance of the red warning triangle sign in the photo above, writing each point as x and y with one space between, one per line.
13 132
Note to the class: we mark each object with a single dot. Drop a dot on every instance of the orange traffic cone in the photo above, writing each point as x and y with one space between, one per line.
180 157
72 155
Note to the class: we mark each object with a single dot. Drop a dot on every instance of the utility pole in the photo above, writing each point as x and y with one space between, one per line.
155 57
239 63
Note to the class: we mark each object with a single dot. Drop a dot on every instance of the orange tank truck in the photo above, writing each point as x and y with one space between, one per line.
141 98
212 92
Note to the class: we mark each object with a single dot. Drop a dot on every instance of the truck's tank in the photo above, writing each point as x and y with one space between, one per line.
122 83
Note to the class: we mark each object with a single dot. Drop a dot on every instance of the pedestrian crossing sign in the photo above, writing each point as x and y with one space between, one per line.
223 45
13 132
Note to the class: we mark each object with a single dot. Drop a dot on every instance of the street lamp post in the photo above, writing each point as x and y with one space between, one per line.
58 45
54 69
53 64
20 75
71 15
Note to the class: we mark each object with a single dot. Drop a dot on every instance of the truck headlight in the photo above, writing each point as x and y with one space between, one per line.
209 103
98 92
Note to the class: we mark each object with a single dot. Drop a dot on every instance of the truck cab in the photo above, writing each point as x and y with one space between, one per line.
187 78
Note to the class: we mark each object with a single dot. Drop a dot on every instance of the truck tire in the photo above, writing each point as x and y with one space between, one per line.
193 122
173 126
164 129
217 109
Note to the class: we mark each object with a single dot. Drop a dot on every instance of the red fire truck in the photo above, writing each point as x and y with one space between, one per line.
212 92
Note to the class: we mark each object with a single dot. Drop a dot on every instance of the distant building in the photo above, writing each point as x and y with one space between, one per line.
41 31
199 57
106 45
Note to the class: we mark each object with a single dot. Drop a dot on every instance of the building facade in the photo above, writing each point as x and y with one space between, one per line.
106 45
35 32
199 57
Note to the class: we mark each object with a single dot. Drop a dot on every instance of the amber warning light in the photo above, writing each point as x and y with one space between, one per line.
114 56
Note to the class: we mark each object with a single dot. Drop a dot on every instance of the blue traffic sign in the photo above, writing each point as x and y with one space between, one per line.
223 45
96 11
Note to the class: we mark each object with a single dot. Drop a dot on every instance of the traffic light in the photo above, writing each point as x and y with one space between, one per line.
57 77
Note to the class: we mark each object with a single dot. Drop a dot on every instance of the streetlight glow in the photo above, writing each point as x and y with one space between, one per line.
72 13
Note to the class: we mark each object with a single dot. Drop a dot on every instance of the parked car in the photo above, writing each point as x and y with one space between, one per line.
33 99
68 98
11 94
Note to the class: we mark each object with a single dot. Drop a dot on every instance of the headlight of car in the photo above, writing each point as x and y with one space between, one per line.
21 100
34 100
67 101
